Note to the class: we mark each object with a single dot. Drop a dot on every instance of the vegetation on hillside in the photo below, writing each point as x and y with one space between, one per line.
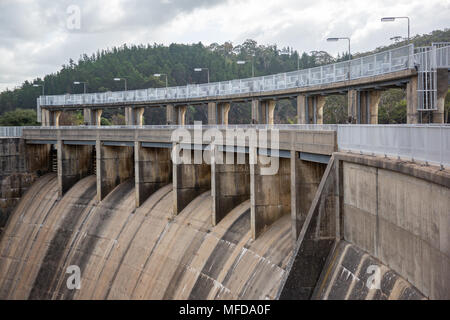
138 64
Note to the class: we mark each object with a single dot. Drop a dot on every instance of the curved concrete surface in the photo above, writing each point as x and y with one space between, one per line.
128 253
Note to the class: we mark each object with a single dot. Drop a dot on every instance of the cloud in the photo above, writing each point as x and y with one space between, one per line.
35 38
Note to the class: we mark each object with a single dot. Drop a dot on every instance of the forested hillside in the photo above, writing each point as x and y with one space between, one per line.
139 63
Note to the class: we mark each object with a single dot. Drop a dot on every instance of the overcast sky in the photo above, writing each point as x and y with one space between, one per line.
38 36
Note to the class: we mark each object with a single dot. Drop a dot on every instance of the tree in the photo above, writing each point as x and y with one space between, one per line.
19 117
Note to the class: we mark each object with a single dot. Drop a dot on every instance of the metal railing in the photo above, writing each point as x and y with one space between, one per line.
11 132
376 64
426 143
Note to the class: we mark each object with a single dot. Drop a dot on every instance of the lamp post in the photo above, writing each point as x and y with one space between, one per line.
390 19
349 52
81 82
201 69
40 85
125 80
162 74
244 62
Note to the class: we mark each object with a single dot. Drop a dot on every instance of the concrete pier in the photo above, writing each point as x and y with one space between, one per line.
134 116
305 179
153 170
270 195
92 117
189 180
363 106
114 165
310 109
74 163
230 185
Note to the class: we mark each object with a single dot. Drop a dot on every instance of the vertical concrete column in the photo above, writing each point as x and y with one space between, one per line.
129 116
305 179
181 115
412 115
270 195
223 110
301 109
114 165
374 101
92 117
212 113
55 117
45 117
153 170
171 115
270 111
352 96
230 186
139 116
189 181
255 110
320 103
442 89
74 163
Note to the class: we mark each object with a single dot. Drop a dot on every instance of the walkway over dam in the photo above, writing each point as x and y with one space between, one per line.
344 199
422 71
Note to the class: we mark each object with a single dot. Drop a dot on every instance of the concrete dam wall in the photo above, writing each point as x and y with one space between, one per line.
143 253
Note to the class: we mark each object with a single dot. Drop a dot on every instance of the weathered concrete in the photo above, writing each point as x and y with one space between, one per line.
153 170
181 115
401 220
50 117
171 115
134 116
114 166
92 117
350 275
363 106
442 89
74 163
305 179
230 185
20 166
412 115
270 195
315 241
189 180
310 109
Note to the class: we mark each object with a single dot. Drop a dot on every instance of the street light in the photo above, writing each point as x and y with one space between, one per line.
81 82
161 74
40 85
244 62
201 69
390 19
349 52
119 79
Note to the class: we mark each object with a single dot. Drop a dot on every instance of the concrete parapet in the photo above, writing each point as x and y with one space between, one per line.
153 170
114 166
189 181
230 186
269 195
74 163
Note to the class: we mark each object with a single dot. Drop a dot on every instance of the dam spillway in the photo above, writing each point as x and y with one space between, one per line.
143 253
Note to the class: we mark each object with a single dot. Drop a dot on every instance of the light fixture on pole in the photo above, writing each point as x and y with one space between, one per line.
81 82
40 85
244 62
125 80
161 74
391 19
201 69
349 52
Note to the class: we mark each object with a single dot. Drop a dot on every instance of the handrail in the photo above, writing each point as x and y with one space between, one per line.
376 64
